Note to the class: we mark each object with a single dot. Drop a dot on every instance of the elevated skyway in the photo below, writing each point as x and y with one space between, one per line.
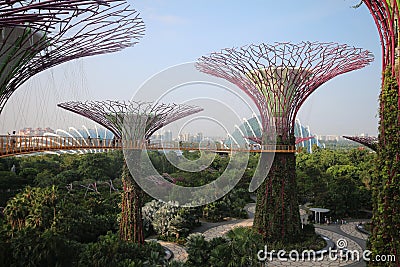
12 145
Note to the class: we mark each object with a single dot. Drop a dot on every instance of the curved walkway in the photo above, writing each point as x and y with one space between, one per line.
350 229
223 229
211 230
179 252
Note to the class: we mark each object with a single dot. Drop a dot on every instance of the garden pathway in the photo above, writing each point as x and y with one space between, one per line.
211 230
350 228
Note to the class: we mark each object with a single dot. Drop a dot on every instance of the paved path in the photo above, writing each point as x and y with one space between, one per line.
223 229
334 232
179 252
360 242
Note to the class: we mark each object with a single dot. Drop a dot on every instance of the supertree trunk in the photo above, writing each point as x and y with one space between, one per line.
131 224
277 215
385 238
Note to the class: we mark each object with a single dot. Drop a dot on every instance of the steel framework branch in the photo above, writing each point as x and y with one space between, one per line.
37 13
385 14
37 35
368 141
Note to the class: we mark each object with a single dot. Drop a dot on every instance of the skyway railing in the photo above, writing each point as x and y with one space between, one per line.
11 145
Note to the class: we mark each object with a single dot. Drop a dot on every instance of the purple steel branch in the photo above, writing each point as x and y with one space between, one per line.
368 141
384 16
110 114
36 13
314 64
68 30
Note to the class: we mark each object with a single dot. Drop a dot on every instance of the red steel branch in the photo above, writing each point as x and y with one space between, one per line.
279 77
385 16
368 141
111 114
51 32
36 13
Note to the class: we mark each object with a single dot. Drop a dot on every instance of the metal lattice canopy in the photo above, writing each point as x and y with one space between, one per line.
37 35
368 141
142 116
279 77
36 13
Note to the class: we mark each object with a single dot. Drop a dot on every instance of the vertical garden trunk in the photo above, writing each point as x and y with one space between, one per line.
131 224
385 238
277 215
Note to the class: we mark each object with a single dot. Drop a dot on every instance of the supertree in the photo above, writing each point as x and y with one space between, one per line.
279 78
133 122
368 141
37 35
385 238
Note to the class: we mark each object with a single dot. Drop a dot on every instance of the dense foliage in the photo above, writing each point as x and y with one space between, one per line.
111 251
339 180
57 213
238 248
41 171
69 216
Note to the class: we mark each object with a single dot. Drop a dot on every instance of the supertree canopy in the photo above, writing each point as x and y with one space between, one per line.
111 114
368 141
279 78
37 35
137 121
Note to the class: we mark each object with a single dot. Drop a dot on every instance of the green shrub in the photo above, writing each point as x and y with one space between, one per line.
198 250
111 251
169 221
238 248
30 247
231 205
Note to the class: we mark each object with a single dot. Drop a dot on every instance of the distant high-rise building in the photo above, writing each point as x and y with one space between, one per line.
167 137
199 137
185 137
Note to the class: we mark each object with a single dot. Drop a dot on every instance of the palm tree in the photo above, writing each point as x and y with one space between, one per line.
240 250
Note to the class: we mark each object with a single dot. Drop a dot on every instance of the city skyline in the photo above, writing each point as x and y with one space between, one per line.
163 134
178 31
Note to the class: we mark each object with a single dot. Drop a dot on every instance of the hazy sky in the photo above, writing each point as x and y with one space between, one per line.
179 31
